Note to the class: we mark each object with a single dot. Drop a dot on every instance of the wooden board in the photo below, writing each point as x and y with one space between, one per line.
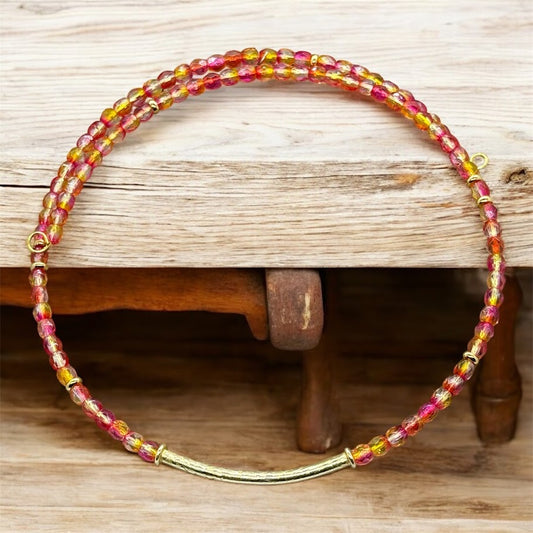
224 402
269 175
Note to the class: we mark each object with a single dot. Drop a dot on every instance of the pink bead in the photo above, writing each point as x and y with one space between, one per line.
490 314
427 412
302 58
79 393
453 384
118 430
411 108
148 450
216 62
91 408
496 280
42 311
212 81
437 131
52 344
246 73
326 62
496 263
39 295
179 93
479 189
104 418
59 215
58 360
379 93
84 141
448 143
96 129
195 87
167 79
38 277
441 398
411 424
133 441
458 156
358 71
488 211
464 369
362 454
484 331
345 67
144 112
66 201
198 67
491 228
46 327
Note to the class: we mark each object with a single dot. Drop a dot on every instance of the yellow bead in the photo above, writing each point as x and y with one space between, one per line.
66 374
379 445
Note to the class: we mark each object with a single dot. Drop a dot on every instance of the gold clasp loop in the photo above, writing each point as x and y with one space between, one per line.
475 158
38 239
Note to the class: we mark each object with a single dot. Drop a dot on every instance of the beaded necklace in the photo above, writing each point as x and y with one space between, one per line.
192 79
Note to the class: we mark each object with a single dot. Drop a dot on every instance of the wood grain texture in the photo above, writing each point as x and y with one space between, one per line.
269 176
215 402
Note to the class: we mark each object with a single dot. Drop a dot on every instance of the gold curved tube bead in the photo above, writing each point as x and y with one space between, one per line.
473 178
470 356
338 462
72 382
153 104
483 200
38 264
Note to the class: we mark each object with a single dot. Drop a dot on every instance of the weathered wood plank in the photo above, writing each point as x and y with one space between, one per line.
285 176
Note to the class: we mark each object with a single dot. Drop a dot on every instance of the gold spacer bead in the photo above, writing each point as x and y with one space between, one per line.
72 382
471 357
473 178
351 460
314 59
153 104
45 244
484 200
159 453
38 264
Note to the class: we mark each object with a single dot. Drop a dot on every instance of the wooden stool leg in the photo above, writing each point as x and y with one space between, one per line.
318 427
497 391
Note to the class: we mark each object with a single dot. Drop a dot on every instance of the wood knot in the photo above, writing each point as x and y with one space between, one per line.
521 176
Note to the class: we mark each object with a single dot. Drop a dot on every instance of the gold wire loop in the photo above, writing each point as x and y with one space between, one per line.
43 237
484 160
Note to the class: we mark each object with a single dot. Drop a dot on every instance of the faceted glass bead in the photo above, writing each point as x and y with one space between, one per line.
317 74
334 77
42 311
129 123
477 347
464 369
110 117
198 67
58 360
448 143
490 314
76 155
152 88
282 72
104 145
299 73
396 435
267 55
479 188
118 430
379 93
104 418
93 157
437 131
302 58
496 280
116 134
39 295
216 62
343 66
488 211
83 171
38 277
359 71
285 56
366 86
196 87
183 73
441 398
91 408
495 245
484 331
494 297
50 200
326 62
496 262
148 450
137 96
164 101
411 108
167 79
122 106
250 56
212 81
458 157
54 232
46 327
144 112
422 120
232 58
132 441
362 454
467 169
454 384
74 187
491 228
58 184
395 101
84 141
66 201
96 129
66 374
411 424
179 93
379 445
263 72
79 393
427 412
247 73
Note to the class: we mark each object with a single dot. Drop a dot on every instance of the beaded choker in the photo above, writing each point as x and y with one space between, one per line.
174 86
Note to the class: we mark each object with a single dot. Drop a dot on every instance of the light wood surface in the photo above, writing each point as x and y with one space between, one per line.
269 176
234 403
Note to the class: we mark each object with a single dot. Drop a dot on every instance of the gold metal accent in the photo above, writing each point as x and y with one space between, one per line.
471 357
338 462
38 264
484 160
153 104
160 450
314 59
72 382
43 236
349 454
473 178
483 200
